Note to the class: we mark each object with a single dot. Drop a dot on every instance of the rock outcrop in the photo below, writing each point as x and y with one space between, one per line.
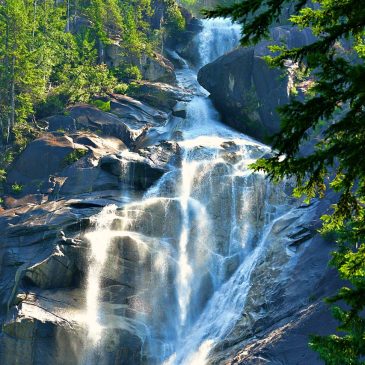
153 67
160 95
245 90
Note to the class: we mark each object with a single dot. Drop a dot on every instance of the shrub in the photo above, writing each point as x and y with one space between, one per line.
2 175
17 188
102 105
75 155
54 104
127 72
121 88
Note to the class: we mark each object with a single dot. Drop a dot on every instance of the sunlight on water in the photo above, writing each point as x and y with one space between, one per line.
185 270
99 242
197 358
218 37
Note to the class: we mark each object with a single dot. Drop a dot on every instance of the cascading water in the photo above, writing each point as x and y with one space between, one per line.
182 256
218 37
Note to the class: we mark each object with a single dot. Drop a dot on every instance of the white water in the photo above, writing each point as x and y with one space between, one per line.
196 236
218 37
99 241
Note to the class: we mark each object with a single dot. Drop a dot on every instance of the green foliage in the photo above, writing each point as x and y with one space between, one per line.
16 188
45 64
127 73
55 103
2 175
102 105
175 22
195 6
120 88
335 108
75 155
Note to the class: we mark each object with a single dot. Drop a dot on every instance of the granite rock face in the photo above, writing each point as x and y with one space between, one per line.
245 90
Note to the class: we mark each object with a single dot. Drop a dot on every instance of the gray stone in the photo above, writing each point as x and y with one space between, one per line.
57 271
132 169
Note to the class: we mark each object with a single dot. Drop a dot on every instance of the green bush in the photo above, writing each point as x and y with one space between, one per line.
16 188
102 105
127 73
75 155
2 175
121 88
54 104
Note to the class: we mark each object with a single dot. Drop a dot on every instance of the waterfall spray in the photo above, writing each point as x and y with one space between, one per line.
186 251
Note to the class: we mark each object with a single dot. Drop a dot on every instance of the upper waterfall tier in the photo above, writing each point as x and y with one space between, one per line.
218 37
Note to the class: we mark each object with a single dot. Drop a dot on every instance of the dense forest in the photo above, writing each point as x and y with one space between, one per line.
53 54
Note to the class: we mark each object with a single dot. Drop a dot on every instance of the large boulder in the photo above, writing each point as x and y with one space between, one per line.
43 157
68 166
126 120
56 271
245 90
91 118
159 95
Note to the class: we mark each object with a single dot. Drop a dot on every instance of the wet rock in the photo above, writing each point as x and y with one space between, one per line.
179 110
132 169
164 154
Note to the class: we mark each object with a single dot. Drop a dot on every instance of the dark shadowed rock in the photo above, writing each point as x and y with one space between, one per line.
43 157
56 271
61 123
245 90
132 169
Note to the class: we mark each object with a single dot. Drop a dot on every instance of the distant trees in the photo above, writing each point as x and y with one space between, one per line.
335 108
52 53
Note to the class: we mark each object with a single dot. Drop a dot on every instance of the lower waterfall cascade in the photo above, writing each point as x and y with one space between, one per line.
193 239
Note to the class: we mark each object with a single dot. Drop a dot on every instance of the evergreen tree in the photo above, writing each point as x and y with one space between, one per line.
52 54
334 105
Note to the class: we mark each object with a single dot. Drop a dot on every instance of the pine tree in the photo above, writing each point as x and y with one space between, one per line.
335 106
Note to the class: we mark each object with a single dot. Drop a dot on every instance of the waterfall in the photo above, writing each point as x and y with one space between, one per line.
218 37
178 262
99 240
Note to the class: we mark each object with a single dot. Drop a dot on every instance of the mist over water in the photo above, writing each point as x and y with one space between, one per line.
194 238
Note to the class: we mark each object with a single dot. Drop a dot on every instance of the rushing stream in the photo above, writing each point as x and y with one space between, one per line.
190 243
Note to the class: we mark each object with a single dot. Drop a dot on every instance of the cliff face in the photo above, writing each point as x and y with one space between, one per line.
245 90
